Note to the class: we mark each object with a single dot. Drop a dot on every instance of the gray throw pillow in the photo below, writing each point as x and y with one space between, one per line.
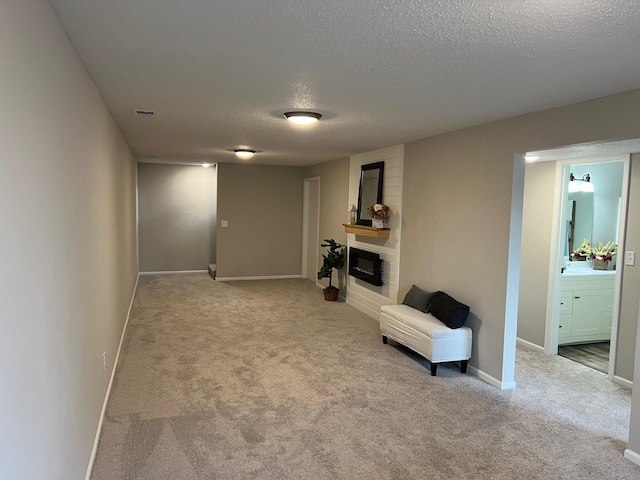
418 299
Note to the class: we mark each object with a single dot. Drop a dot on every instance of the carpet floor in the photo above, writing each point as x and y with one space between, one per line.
266 380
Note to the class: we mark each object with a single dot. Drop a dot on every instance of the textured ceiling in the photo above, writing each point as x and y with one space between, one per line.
588 150
220 73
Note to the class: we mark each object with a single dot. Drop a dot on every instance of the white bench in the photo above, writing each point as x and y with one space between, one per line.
425 334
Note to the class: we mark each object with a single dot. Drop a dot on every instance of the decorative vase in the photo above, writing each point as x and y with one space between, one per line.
600 264
375 223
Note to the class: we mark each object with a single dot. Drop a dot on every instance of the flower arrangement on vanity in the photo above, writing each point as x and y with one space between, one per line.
600 256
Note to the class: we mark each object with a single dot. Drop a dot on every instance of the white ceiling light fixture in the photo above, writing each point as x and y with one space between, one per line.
585 184
302 118
531 158
244 153
206 165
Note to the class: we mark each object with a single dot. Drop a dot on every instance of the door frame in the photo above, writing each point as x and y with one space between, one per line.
558 234
305 221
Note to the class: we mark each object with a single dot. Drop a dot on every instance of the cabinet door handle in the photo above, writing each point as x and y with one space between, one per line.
561 303
576 297
560 326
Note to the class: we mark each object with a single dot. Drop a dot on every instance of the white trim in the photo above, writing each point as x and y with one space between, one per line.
363 308
552 321
532 346
509 341
632 456
485 377
174 272
265 277
305 221
94 450
623 382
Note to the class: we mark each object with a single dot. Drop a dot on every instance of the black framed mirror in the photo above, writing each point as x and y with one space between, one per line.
370 192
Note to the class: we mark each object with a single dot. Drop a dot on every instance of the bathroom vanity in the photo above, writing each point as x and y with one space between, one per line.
586 305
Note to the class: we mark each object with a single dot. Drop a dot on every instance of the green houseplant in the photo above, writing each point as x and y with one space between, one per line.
333 259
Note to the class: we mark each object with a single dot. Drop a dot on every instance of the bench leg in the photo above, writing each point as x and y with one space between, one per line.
463 366
384 339
434 369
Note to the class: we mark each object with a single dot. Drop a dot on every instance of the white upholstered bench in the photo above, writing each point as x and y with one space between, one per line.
426 335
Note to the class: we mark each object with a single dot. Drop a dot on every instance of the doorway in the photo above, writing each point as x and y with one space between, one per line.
592 211
585 285
310 227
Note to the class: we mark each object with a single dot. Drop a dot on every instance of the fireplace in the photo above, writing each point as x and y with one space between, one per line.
366 266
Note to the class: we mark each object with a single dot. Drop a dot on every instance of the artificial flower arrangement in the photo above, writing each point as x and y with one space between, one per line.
604 252
584 251
378 211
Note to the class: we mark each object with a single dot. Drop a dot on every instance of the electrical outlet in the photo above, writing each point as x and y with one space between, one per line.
630 258
104 361
224 223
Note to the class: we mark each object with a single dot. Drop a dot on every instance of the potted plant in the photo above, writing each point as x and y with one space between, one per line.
379 214
603 255
584 251
333 259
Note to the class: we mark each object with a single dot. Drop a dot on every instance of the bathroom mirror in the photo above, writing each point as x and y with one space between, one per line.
580 215
370 191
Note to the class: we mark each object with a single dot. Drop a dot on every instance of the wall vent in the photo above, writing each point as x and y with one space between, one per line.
144 113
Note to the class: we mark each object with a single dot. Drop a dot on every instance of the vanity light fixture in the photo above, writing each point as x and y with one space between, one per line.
584 186
302 118
244 153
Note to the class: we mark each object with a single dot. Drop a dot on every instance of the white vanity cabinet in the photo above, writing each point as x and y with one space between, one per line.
586 307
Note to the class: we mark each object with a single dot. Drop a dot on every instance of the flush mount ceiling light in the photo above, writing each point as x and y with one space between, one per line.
584 186
244 153
302 118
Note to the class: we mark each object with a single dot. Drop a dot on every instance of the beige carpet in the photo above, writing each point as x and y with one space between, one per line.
266 380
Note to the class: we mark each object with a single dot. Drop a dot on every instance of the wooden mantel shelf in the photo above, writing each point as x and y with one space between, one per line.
367 231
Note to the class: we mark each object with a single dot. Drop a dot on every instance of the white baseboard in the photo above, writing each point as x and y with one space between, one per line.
485 377
265 277
533 346
623 382
174 272
632 456
94 450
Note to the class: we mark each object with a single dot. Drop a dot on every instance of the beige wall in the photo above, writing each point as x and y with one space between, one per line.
539 192
630 281
457 209
334 204
176 217
263 208
68 244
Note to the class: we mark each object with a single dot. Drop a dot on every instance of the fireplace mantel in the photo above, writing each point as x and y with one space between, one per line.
367 231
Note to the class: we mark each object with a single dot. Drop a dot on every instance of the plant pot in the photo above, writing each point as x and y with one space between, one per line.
331 294
375 223
600 264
